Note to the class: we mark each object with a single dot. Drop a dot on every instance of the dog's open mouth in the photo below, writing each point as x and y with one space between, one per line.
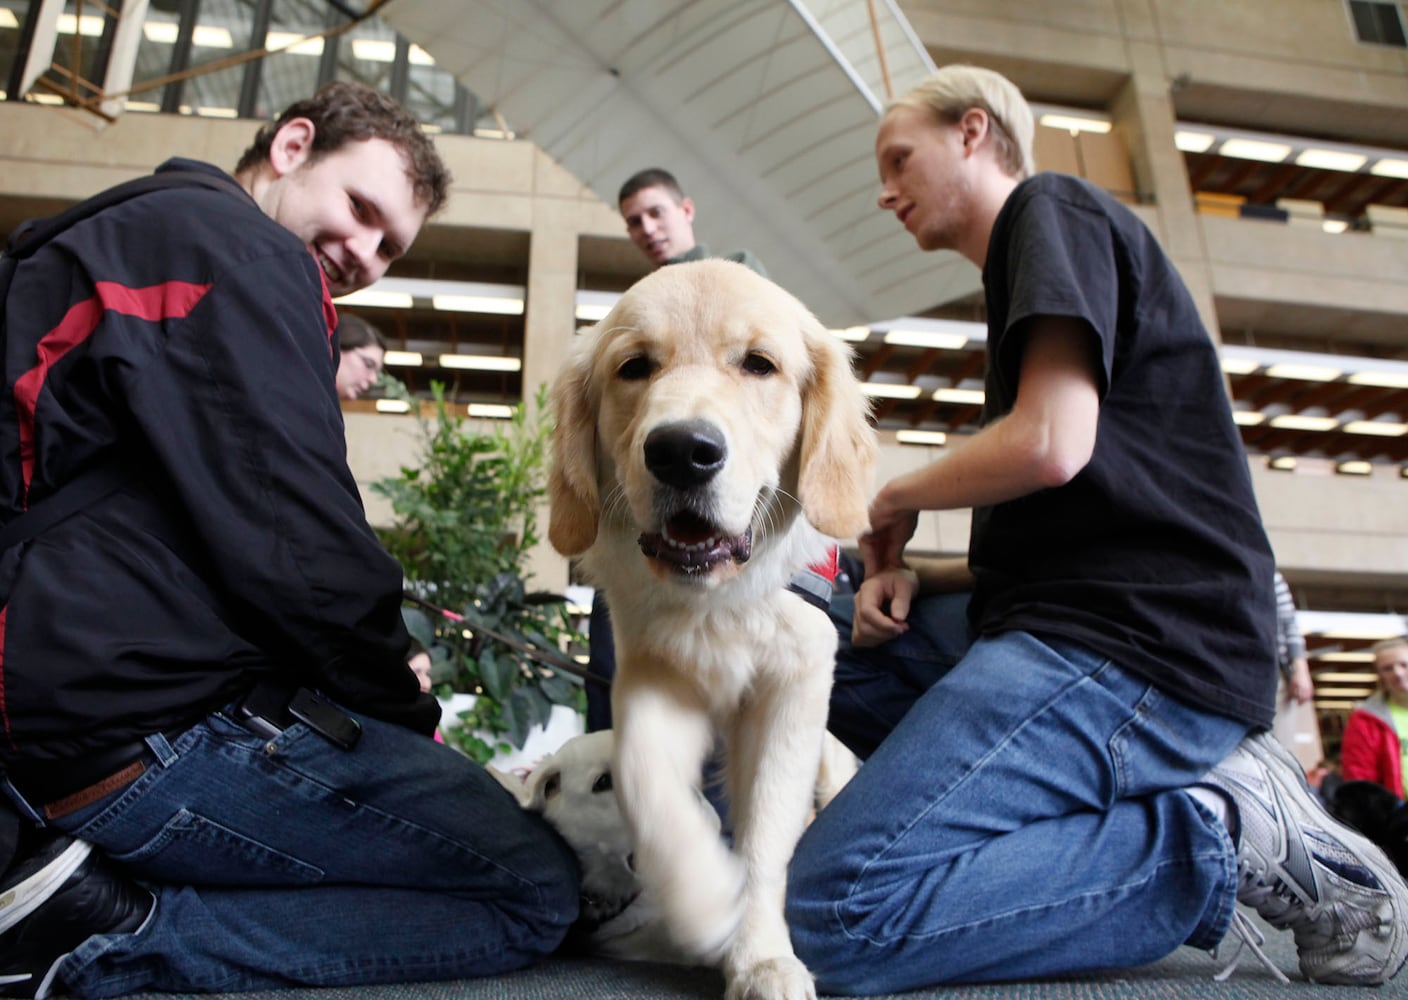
691 545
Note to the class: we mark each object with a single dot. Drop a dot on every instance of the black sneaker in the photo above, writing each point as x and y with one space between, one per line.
52 902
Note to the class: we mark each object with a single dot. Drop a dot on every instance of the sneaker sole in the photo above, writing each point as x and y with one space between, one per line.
21 900
1278 761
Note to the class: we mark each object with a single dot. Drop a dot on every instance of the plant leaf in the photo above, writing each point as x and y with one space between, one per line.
497 673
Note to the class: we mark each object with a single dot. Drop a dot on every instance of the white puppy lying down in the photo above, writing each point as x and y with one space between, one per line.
574 791
710 436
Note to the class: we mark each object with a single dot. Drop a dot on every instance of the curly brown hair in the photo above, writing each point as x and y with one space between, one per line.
343 111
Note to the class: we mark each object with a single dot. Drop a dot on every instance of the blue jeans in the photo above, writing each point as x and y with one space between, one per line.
287 861
1021 815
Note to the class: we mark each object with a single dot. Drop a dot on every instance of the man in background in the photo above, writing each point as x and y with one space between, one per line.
660 221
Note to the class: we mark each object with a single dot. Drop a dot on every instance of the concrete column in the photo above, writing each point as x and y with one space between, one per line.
549 319
1143 113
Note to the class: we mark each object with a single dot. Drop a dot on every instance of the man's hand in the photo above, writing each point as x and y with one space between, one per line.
1301 688
891 528
882 606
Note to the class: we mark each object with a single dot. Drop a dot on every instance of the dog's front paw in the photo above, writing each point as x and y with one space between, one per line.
780 978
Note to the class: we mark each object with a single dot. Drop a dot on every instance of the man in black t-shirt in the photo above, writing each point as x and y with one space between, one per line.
1067 767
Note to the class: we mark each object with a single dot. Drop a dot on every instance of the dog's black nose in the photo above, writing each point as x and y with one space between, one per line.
685 454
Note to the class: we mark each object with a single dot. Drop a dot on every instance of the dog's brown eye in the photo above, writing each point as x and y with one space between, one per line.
758 364
602 783
636 368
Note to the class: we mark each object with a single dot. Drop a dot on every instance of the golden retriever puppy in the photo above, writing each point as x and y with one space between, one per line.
712 440
573 790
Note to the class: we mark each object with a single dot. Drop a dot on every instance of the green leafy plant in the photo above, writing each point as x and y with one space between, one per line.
465 521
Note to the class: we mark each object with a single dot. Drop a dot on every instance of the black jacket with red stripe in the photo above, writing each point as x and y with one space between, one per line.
185 336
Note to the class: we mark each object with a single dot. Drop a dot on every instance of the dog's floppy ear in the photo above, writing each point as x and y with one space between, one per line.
541 784
572 491
838 445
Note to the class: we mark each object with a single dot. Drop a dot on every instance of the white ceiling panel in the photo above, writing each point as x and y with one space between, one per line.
765 109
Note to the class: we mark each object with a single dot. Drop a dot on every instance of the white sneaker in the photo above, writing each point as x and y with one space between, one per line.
1301 869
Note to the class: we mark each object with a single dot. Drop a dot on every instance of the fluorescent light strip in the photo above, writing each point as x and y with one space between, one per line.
392 406
1356 467
1376 428
402 293
1299 422
1390 167
293 44
1355 625
1193 142
1339 692
481 362
1388 380
1282 463
972 397
1239 366
478 304
490 411
890 390
1331 159
927 339
1075 123
7 18
1255 149
404 359
1248 418
592 314
1384 372
853 334
931 438
1304 373
923 331
206 36
374 49
89 25
373 298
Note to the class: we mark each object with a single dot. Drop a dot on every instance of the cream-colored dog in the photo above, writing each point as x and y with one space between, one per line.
711 440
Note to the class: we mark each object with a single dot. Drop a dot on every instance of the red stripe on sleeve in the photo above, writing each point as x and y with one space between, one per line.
169 300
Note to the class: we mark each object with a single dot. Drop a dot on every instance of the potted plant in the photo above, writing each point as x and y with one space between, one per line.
465 520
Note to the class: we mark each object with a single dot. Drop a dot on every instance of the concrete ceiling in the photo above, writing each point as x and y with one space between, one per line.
765 109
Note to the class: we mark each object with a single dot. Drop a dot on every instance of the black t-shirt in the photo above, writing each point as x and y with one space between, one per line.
1154 554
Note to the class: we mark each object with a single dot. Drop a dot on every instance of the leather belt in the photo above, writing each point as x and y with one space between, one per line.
58 787
65 786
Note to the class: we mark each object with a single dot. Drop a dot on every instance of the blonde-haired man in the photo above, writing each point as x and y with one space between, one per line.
1059 771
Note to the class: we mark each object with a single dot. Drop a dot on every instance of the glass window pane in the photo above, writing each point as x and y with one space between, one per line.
221 31
154 52
430 92
368 54
292 75
74 68
12 15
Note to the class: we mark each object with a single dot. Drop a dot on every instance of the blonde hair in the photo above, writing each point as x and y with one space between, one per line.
955 89
1393 643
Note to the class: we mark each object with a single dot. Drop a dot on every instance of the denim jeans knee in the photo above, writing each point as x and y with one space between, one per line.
1029 801
289 861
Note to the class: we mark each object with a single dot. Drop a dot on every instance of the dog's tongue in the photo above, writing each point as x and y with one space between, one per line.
695 545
